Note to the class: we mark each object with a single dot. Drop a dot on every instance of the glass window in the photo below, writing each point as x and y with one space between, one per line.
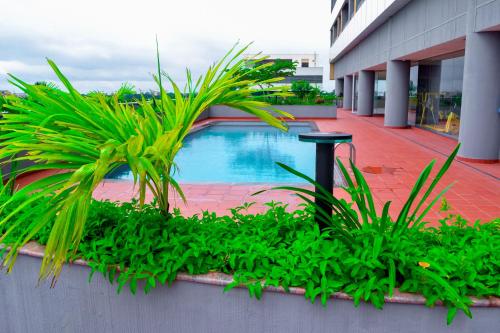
379 102
439 95
352 8
355 80
344 16
412 96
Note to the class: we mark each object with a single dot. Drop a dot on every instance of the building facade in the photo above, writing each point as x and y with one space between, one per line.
307 67
428 63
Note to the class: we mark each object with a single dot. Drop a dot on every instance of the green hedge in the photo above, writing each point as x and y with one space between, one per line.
327 99
282 248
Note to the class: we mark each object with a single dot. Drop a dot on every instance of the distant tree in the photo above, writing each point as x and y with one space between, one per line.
315 92
124 93
46 84
96 93
277 68
126 90
301 88
412 89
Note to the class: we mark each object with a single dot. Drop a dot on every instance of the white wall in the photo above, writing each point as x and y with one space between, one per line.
368 14
312 57
309 71
313 68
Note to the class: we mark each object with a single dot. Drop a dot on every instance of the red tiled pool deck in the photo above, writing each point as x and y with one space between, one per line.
391 161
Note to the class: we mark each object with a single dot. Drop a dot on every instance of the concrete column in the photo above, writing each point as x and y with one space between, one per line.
396 99
348 92
480 116
366 91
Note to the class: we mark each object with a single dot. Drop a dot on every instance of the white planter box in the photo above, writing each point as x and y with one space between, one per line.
198 304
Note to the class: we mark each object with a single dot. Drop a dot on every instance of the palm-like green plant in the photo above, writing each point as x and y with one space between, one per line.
2 102
84 138
125 90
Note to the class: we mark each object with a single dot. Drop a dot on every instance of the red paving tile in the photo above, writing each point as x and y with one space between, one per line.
477 186
400 155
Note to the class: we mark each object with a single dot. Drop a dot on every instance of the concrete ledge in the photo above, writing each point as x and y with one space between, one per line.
477 160
198 304
397 127
298 111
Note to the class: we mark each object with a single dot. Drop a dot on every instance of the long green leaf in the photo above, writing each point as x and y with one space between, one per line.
86 137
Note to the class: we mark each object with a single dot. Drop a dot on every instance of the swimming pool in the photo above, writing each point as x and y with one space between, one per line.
241 152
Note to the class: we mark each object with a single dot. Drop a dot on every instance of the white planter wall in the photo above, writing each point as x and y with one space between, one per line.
298 111
75 306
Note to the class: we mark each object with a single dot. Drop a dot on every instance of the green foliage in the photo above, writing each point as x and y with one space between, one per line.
321 98
315 92
344 223
282 248
125 91
344 219
49 85
84 138
273 72
3 101
267 72
97 94
301 88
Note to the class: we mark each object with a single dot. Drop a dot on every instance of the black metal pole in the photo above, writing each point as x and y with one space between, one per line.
325 143
324 177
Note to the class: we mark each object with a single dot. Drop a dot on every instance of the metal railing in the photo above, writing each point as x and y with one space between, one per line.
352 150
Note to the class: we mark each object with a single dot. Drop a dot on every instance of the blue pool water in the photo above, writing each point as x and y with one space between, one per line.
242 152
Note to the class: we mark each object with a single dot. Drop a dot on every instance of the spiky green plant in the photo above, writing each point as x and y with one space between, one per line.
345 221
344 218
125 90
50 85
84 138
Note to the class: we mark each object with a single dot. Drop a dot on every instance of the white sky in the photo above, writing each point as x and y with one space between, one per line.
100 44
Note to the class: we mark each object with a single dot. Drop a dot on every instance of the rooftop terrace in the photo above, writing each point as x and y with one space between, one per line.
391 160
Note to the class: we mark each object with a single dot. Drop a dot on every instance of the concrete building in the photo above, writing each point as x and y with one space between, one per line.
307 67
428 63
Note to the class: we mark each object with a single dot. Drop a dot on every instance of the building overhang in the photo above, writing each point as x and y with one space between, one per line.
370 15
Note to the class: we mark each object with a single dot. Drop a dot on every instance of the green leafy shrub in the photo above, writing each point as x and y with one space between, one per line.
301 88
319 100
448 263
345 224
354 251
315 92
323 98
266 71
